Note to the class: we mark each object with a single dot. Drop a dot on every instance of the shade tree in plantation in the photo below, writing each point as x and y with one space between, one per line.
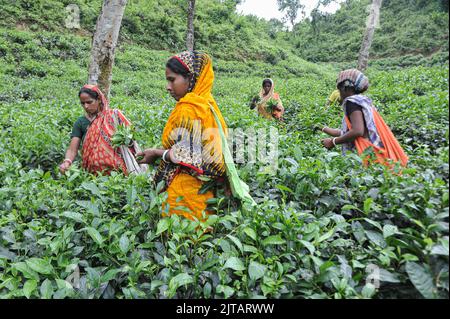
291 9
190 25
372 24
104 44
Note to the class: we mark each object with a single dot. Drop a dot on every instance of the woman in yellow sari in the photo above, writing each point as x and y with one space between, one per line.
267 96
192 149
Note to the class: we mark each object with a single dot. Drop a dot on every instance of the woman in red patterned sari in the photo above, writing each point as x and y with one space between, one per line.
94 130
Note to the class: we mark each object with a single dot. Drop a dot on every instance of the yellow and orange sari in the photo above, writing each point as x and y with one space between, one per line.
98 154
192 134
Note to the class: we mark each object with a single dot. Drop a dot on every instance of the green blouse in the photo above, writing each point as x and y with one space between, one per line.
80 127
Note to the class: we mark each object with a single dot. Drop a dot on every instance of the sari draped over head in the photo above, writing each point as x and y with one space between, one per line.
98 154
380 137
192 135
262 106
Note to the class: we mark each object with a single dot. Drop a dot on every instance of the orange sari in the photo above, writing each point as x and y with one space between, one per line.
192 135
391 150
380 138
262 106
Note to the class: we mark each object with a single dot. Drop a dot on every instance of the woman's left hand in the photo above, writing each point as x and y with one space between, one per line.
328 143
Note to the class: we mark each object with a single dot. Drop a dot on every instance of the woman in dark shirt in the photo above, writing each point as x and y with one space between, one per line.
90 102
362 126
352 83
94 130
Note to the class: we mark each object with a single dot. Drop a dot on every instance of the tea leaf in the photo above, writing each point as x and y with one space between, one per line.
40 265
256 270
178 281
29 287
46 289
163 225
250 233
273 240
124 243
95 235
234 263
421 279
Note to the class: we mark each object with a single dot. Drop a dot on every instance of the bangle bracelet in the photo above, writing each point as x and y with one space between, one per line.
68 160
164 156
334 141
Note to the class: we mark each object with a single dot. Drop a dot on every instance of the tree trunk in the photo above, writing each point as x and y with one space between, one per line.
372 23
104 44
190 25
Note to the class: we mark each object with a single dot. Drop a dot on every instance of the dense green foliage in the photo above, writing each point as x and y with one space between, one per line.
161 25
406 28
321 221
418 29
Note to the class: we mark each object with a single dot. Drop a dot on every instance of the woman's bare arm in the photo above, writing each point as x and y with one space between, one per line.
332 131
71 153
357 120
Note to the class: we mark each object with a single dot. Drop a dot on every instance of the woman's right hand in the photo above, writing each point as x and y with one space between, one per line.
317 127
149 156
64 167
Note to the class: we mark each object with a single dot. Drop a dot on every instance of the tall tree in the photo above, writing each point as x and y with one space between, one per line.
190 25
291 9
104 44
372 23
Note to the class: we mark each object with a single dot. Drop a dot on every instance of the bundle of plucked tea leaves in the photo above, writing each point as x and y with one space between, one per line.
123 136
271 104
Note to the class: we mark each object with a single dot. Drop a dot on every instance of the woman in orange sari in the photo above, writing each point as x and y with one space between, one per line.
191 153
362 125
269 104
94 130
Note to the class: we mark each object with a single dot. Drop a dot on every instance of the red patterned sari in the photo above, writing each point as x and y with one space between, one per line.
98 154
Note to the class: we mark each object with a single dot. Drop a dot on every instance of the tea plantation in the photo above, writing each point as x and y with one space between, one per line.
324 227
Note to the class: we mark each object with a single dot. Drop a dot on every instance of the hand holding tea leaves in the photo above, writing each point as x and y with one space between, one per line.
255 101
123 136
317 127
272 105
149 156
328 143
64 167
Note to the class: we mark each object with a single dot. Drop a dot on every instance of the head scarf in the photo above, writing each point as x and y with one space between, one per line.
199 96
194 62
104 102
271 92
354 78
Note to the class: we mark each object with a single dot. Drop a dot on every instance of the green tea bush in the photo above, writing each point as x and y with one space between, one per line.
324 227
418 30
